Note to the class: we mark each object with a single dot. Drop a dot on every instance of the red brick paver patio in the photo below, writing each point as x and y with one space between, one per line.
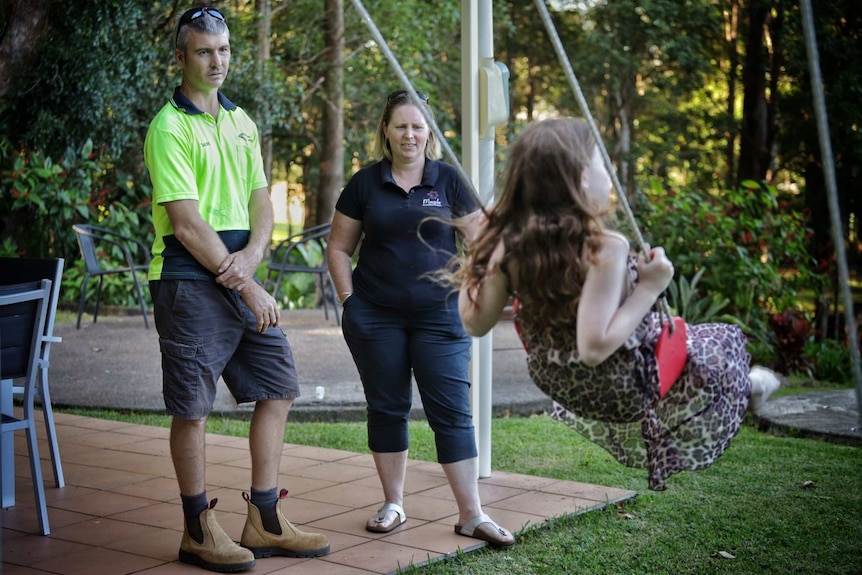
119 512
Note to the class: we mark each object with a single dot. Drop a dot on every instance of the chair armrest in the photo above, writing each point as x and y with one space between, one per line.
127 254
123 242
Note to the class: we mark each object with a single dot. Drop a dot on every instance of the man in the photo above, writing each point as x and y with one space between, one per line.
213 222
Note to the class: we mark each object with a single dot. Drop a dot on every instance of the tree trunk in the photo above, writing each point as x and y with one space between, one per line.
26 22
776 66
623 98
332 153
731 37
754 150
264 32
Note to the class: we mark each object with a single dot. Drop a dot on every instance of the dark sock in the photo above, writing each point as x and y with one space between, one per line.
193 506
265 501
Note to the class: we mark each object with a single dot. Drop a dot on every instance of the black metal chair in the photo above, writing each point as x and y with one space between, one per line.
18 270
304 252
131 251
23 309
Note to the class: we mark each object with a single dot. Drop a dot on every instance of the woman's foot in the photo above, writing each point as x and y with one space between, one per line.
388 517
484 528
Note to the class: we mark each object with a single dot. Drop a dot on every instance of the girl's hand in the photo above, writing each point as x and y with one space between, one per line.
656 273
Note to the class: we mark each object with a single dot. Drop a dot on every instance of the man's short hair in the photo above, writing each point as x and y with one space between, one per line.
204 19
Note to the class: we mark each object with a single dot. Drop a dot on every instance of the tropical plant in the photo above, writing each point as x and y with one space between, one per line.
690 305
42 198
8 249
745 246
828 360
298 290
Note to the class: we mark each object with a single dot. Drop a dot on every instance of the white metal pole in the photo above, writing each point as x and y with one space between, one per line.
484 346
469 90
471 159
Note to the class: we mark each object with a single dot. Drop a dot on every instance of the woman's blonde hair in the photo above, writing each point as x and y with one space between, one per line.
550 230
381 148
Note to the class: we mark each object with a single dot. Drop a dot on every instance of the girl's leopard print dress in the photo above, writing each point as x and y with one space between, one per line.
616 403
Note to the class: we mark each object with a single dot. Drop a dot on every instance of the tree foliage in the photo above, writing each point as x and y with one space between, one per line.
665 79
91 82
839 31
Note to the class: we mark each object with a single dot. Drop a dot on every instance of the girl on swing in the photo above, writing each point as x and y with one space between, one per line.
585 313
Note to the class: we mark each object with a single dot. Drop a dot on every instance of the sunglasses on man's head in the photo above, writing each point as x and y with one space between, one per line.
191 15
403 94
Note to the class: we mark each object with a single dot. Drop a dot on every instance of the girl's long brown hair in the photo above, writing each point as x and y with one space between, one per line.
549 229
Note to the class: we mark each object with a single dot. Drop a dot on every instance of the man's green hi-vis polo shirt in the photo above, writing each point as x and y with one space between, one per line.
217 162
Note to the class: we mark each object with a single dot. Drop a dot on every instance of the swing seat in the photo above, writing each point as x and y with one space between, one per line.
671 354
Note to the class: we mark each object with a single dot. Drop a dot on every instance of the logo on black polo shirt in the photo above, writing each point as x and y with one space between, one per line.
432 200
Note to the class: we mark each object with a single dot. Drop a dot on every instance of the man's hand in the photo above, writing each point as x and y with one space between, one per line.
261 304
236 271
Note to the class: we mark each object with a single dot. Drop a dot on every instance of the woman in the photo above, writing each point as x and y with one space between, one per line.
397 319
585 312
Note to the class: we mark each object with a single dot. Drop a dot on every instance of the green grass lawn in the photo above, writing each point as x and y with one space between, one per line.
771 505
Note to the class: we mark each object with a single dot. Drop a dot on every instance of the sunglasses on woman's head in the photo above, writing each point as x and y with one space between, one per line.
404 94
190 15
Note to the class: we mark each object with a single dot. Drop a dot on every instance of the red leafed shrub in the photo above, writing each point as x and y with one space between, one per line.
791 331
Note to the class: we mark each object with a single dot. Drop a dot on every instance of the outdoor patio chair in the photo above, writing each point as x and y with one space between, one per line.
304 252
18 270
92 240
23 309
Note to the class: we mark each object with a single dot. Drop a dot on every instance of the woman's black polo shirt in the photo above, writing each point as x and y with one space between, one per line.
400 244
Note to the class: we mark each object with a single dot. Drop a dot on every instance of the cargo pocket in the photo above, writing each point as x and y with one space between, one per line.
181 373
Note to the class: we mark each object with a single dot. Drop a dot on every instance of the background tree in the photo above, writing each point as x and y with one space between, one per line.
263 10
838 29
24 23
678 88
728 65
537 84
763 57
332 154
87 84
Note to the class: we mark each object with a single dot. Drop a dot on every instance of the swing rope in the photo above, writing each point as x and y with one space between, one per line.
673 358
396 66
663 306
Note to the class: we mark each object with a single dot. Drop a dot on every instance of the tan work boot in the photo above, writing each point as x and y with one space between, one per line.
291 543
217 552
